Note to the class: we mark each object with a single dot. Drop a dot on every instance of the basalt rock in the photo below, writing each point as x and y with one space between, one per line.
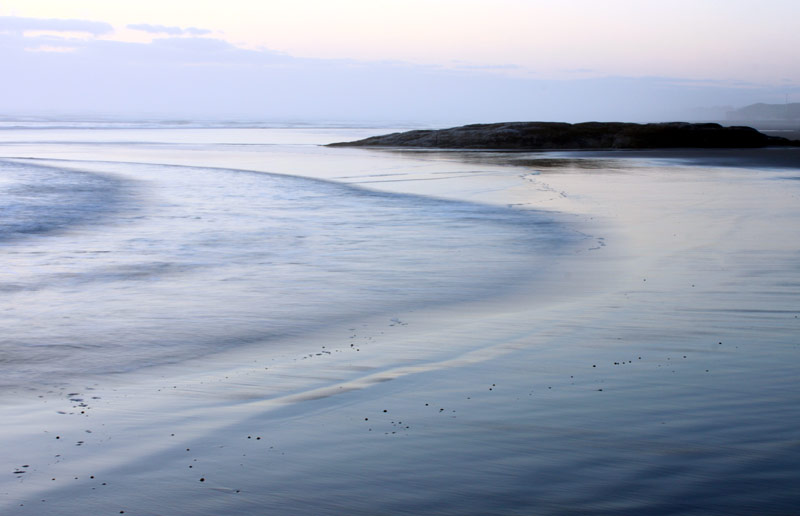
588 135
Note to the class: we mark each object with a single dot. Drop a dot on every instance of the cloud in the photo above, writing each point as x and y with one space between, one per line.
16 24
171 31
49 48
204 77
194 31
488 67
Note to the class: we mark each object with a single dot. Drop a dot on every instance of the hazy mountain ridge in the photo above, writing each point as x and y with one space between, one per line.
763 111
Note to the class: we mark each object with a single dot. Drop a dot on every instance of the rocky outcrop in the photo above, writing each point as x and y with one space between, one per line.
588 135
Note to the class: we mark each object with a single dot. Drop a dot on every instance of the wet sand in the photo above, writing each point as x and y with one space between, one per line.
652 371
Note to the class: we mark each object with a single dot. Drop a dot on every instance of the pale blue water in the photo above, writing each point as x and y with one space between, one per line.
669 386
111 265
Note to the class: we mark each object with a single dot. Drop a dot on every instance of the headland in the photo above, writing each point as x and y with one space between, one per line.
587 135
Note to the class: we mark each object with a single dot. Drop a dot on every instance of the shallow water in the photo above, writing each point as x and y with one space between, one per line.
116 265
618 336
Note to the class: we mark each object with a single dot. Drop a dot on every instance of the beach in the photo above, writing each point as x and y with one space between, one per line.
458 333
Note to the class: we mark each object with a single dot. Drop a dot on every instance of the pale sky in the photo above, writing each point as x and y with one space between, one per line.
658 48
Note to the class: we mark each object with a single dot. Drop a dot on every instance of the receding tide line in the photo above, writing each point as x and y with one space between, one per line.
474 356
469 358
353 187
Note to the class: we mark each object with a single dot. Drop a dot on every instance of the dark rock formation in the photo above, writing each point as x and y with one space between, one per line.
588 135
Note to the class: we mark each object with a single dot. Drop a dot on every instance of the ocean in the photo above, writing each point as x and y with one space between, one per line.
114 264
236 319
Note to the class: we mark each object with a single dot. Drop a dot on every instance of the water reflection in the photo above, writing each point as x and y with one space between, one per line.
613 160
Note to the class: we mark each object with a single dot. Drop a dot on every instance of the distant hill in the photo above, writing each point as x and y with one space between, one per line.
589 135
762 111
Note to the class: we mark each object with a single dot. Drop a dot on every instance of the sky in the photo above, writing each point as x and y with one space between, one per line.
424 61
